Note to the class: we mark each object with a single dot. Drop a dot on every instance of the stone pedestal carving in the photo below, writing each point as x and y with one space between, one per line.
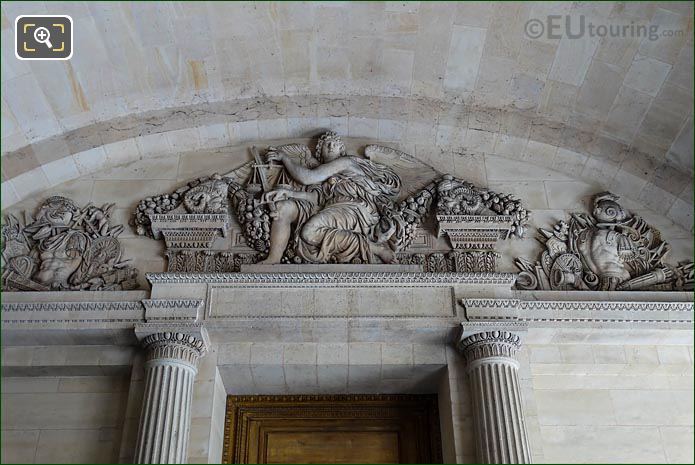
496 397
170 368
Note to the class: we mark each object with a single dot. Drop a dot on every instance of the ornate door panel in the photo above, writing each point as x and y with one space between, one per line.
332 429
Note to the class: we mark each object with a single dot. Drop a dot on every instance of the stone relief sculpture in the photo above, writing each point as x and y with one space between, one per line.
608 250
64 247
295 206
333 207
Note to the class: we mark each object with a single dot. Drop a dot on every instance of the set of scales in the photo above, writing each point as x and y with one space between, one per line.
260 179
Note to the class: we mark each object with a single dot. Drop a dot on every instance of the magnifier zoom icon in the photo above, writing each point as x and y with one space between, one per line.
43 36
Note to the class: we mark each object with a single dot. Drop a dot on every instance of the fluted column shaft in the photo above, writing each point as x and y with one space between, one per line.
170 368
493 376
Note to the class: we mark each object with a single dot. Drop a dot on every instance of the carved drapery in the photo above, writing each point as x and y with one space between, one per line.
496 397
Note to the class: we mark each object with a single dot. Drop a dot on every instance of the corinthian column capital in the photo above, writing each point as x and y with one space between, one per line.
174 345
182 343
489 344
172 352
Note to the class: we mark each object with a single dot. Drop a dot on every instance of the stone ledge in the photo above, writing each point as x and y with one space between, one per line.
335 279
676 314
73 296
65 370
331 268
610 296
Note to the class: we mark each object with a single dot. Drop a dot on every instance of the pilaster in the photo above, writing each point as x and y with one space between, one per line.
493 375
171 361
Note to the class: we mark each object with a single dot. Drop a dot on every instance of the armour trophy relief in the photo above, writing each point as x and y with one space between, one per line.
609 250
64 248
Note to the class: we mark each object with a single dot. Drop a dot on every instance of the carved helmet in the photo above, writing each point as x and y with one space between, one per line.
607 209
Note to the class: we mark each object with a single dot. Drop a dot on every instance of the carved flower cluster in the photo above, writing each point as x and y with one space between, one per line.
457 197
255 220
507 204
412 210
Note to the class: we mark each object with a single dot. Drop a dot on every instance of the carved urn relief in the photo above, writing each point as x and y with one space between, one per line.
476 219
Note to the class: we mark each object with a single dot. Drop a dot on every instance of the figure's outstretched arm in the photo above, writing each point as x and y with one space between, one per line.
317 175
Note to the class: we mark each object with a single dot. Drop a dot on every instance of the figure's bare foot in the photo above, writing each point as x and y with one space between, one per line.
269 261
384 252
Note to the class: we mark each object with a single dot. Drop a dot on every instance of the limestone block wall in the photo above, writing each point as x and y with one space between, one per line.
595 403
329 367
612 403
208 411
585 401
63 419
434 138
604 99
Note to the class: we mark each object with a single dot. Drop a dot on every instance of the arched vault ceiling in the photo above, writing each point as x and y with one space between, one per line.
429 77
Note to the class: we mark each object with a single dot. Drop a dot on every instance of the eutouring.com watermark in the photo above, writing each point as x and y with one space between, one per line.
578 26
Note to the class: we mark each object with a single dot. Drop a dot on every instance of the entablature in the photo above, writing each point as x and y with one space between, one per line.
426 307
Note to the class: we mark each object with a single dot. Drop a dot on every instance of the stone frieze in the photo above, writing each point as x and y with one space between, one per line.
293 205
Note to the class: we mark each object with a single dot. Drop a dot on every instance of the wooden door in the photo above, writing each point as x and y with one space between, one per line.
332 429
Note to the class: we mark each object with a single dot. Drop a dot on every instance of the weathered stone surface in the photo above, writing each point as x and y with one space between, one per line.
304 207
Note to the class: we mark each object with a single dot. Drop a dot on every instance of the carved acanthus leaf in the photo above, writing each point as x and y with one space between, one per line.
175 345
488 344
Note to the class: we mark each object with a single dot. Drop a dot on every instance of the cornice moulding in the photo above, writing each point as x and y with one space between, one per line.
606 296
172 309
38 314
558 313
335 279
